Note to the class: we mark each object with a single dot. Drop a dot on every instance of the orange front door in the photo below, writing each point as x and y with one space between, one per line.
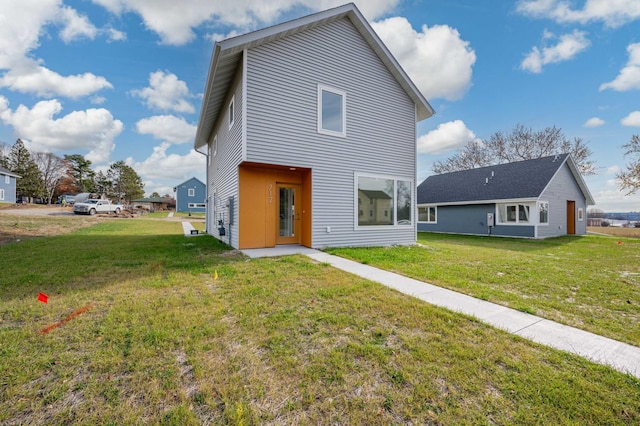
288 213
571 217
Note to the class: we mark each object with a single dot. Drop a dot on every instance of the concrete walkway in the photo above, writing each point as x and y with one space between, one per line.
189 230
618 355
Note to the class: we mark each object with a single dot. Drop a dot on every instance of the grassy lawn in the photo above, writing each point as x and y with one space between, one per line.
590 282
269 341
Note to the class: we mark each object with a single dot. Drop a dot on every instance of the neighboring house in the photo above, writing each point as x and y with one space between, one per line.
305 125
7 186
151 204
540 198
191 196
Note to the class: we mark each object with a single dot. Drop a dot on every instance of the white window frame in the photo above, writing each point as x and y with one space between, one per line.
395 224
232 111
191 192
580 214
197 205
7 179
435 213
548 216
530 222
215 145
343 94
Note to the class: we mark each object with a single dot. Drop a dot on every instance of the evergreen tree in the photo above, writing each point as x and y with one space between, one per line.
101 184
125 182
81 172
20 162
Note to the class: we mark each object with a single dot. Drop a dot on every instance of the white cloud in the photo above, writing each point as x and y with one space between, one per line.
438 61
160 165
115 35
613 200
613 13
92 129
166 92
614 170
29 77
594 122
21 26
631 120
568 46
448 136
168 128
174 20
629 77
75 25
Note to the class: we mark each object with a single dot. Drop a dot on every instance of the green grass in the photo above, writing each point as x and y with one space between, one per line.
275 341
590 282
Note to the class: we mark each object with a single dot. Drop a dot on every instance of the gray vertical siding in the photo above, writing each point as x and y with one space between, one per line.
282 79
222 173
472 219
562 187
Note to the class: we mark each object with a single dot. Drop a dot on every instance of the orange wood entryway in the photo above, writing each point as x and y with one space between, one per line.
571 217
275 206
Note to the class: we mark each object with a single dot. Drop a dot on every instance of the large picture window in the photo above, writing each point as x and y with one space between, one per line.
383 201
332 111
511 214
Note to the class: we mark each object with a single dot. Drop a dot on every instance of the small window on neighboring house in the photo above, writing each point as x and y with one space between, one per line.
192 192
231 111
1 194
332 111
428 214
580 214
544 213
7 179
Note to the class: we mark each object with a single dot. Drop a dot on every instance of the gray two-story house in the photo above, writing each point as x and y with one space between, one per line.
7 186
309 128
539 198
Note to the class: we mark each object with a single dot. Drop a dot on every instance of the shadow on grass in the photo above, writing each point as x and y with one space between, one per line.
80 262
502 243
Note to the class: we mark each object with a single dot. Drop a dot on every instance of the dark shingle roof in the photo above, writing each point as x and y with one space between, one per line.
522 179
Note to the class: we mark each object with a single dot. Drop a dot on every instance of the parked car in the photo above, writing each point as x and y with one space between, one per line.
92 207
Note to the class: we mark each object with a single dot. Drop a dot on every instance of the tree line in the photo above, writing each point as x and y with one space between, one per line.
46 176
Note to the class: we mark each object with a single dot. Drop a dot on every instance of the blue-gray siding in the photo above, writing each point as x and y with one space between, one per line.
472 219
282 79
8 189
563 187
183 199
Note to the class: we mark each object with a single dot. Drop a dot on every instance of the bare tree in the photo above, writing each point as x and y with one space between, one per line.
52 170
630 180
521 144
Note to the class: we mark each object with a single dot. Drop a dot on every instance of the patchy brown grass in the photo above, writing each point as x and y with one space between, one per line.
18 227
615 231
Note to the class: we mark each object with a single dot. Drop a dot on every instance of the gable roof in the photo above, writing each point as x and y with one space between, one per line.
512 181
227 54
188 180
7 172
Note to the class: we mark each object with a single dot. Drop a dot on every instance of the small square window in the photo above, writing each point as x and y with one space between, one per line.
192 192
427 214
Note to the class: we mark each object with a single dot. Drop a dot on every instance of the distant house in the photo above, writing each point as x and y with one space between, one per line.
538 198
191 196
151 204
310 132
7 186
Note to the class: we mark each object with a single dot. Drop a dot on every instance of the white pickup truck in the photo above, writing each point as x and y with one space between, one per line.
95 206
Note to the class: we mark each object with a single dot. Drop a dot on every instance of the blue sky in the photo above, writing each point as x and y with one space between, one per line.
123 79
